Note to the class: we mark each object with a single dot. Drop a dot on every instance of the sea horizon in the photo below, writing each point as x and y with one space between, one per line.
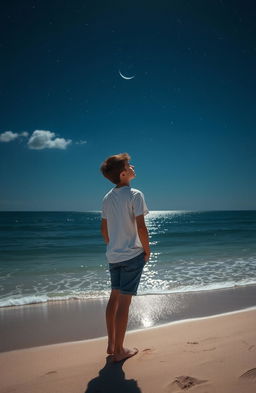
98 211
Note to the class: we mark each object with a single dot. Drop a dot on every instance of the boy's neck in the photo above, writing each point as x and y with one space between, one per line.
122 185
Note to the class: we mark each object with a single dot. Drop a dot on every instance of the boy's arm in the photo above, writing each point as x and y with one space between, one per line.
143 235
104 229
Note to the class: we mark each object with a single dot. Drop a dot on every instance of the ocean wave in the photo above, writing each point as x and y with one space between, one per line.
37 299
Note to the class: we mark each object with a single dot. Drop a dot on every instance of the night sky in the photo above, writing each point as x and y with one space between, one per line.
187 118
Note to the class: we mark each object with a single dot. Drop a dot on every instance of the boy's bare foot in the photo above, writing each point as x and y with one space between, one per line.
125 354
110 349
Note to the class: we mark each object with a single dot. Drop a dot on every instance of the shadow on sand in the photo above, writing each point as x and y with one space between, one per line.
111 379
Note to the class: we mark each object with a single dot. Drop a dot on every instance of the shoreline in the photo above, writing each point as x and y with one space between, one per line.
216 354
44 324
100 297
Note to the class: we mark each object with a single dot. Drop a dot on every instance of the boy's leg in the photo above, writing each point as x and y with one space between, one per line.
130 273
110 319
121 320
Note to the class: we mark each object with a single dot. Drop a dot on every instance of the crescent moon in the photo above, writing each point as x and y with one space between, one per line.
126 77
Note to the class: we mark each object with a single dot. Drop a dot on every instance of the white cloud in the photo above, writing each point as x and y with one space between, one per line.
41 139
25 133
8 136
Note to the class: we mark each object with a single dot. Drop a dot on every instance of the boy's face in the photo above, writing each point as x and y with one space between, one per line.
129 173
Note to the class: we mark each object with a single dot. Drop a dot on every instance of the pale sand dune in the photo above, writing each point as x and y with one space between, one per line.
212 355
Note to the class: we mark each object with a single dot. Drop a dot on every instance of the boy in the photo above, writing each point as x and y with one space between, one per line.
123 229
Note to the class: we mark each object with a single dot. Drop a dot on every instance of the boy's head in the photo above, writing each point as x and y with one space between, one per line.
117 169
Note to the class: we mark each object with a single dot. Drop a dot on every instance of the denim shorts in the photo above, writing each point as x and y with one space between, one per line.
125 275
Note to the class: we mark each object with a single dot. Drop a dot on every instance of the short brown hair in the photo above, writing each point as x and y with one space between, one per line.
113 166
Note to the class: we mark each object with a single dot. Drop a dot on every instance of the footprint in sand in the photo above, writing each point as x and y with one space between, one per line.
202 350
209 349
250 374
199 350
51 372
250 347
146 352
187 382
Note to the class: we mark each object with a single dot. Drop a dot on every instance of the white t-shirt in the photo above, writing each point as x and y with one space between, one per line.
120 207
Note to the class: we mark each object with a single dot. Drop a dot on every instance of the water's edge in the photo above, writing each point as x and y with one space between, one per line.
58 322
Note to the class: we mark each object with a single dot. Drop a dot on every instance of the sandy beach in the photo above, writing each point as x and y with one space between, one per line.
213 353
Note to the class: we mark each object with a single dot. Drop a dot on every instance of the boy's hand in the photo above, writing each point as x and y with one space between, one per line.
104 229
147 256
143 235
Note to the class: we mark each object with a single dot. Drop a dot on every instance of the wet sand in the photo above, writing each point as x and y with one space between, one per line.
59 322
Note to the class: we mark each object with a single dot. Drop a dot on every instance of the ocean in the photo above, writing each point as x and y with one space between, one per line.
50 256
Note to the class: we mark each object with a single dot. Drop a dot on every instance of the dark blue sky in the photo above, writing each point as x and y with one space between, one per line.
187 118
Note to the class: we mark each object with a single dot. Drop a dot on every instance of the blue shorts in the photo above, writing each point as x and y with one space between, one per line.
125 275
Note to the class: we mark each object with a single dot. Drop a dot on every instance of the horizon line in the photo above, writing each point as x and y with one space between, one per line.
99 211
